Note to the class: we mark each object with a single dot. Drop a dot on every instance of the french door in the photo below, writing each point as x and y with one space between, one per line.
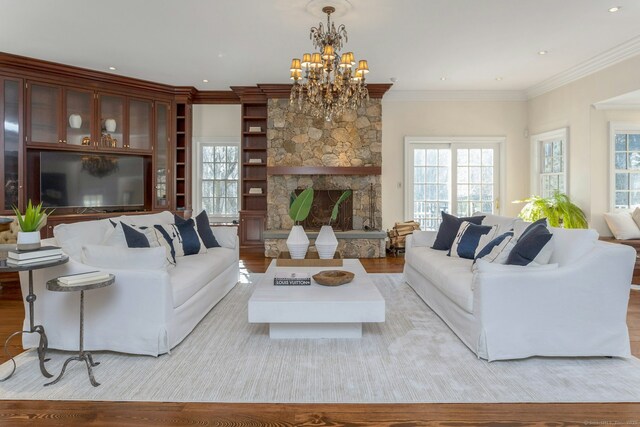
459 178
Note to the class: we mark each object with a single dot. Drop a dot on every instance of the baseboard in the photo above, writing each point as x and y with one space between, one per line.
635 287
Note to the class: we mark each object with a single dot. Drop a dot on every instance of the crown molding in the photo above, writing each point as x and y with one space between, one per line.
216 97
456 95
624 51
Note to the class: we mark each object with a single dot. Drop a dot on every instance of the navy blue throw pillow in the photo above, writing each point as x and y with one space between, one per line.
541 221
204 229
530 245
134 238
449 229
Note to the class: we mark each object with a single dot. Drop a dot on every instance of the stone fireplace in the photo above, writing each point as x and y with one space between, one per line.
304 151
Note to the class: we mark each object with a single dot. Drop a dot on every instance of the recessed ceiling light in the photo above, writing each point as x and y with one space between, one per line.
205 81
615 9
542 52
443 78
499 79
112 68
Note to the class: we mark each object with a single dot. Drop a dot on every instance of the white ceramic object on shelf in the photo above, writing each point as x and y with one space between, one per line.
326 242
75 121
28 240
110 125
297 242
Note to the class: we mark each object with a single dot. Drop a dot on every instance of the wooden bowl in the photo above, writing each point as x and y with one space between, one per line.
333 277
5 224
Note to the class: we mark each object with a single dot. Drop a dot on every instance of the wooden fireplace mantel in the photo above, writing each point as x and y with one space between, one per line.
324 170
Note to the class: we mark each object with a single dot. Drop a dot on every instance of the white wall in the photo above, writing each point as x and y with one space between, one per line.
216 121
452 118
572 106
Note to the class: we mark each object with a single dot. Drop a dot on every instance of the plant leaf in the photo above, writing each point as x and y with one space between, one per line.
301 206
334 213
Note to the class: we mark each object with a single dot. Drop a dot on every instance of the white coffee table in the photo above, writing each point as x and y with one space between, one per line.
316 311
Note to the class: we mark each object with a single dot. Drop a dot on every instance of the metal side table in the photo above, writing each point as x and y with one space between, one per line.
43 344
54 285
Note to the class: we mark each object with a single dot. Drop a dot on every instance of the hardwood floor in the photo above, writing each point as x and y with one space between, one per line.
72 413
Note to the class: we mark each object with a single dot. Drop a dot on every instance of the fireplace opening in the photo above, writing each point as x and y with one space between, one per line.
323 202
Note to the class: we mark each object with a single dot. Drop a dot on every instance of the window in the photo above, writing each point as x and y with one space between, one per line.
549 158
459 177
625 147
217 181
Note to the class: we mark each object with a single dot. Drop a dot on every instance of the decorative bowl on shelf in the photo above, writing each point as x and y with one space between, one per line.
333 277
5 224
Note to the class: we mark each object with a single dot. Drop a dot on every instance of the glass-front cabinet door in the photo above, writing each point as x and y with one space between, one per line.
44 113
111 121
78 119
139 124
161 156
10 143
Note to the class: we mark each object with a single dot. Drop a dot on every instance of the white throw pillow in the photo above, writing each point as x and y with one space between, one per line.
469 238
570 245
622 225
635 215
124 258
499 253
226 236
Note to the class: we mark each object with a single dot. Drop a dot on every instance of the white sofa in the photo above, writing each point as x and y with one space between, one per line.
576 306
147 310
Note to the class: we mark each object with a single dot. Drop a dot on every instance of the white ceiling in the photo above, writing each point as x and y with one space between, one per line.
244 42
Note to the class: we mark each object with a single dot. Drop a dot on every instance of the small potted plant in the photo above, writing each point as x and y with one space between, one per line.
31 222
326 242
558 209
298 242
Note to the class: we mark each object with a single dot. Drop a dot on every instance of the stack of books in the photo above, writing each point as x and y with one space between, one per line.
282 278
35 256
83 278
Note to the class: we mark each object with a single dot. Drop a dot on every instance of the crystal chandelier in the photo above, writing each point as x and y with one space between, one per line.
330 85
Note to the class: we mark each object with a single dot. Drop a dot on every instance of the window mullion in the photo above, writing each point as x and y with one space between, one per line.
453 180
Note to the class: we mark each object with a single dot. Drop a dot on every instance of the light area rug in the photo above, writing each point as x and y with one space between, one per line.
412 357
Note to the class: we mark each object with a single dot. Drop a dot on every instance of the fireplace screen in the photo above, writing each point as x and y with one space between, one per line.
323 202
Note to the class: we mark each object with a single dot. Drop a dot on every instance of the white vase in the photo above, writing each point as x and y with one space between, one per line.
110 125
28 240
75 121
326 242
297 242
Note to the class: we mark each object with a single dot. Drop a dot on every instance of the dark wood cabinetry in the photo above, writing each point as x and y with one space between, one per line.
252 227
11 147
162 157
77 118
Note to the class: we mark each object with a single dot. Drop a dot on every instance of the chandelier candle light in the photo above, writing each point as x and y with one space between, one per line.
330 85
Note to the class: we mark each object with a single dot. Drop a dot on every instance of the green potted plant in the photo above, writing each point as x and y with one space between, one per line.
326 242
31 222
299 209
558 209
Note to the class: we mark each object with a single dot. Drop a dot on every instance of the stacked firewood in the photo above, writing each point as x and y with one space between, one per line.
398 234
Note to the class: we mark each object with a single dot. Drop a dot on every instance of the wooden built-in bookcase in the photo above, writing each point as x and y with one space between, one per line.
254 173
182 156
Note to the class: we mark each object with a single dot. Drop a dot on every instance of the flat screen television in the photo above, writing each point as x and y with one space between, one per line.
74 180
